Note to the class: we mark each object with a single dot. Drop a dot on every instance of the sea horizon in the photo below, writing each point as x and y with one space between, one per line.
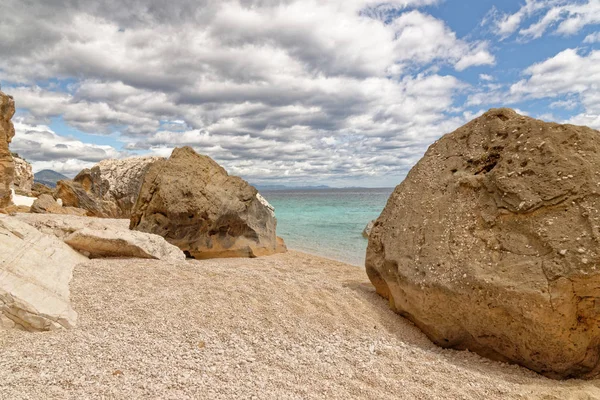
327 222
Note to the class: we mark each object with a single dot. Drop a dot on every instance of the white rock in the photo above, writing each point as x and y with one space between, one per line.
35 271
265 203
123 243
19 200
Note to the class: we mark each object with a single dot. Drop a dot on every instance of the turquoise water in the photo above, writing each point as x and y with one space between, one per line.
327 222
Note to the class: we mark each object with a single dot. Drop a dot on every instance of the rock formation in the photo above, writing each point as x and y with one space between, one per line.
46 204
38 189
123 244
194 204
109 189
367 231
7 132
23 177
491 243
35 271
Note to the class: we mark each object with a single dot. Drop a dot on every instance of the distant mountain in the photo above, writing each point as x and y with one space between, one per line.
48 177
284 187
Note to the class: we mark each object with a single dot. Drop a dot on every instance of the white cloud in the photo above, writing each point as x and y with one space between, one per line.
564 17
264 86
45 149
592 38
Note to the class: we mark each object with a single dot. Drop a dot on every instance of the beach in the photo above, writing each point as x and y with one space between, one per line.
289 326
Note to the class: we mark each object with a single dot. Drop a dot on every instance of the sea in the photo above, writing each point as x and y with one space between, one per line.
327 222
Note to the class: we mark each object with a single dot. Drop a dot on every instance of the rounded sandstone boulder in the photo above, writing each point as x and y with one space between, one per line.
193 203
492 243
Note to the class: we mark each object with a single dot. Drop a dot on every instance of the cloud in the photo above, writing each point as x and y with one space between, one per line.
45 149
564 17
592 38
570 77
270 88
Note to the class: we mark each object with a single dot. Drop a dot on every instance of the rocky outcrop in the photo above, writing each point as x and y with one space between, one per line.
194 204
103 237
38 189
492 243
62 226
109 189
35 271
23 177
7 132
367 231
45 204
96 243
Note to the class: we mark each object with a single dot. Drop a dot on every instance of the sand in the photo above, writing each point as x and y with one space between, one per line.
290 326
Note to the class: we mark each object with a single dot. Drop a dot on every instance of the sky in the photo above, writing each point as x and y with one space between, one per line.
297 92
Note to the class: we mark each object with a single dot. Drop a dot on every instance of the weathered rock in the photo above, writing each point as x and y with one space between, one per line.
491 243
367 231
38 189
73 194
96 243
46 204
23 177
35 271
62 226
7 132
194 204
109 189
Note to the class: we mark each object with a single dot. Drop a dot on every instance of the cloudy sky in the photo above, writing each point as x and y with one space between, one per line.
338 92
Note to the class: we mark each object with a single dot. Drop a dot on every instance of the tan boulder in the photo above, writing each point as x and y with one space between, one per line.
7 132
45 203
37 189
194 204
35 271
96 243
73 194
492 243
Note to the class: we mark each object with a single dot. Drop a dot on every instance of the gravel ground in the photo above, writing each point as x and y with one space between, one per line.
291 326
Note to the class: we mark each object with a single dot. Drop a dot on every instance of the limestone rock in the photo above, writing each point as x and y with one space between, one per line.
367 231
109 189
45 203
35 271
7 132
97 243
23 178
63 226
194 204
20 200
492 243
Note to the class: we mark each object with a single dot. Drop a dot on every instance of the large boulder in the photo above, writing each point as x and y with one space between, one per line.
7 132
491 243
23 177
194 204
109 189
35 271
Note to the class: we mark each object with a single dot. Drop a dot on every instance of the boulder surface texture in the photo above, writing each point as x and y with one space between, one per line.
193 203
7 132
97 243
23 177
35 271
492 243
107 190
